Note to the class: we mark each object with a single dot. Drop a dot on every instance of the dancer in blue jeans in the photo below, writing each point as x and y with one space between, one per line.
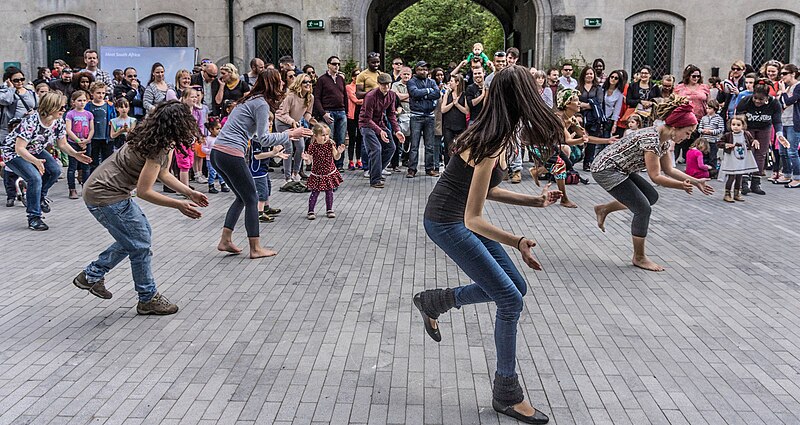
374 131
136 165
454 221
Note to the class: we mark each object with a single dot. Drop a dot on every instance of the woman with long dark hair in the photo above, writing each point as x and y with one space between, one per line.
590 96
616 170
641 94
454 221
454 113
693 89
250 117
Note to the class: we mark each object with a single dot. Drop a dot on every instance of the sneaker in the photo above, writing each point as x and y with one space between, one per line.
312 216
411 174
212 189
36 223
432 173
366 174
97 289
272 211
351 166
73 194
359 164
264 218
159 304
516 177
378 185
331 214
386 172
10 202
224 188
201 179
296 177
45 206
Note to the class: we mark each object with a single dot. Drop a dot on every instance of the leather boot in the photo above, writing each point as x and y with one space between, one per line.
728 197
755 185
737 196
745 185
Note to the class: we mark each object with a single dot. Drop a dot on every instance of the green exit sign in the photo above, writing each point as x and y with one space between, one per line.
592 22
315 24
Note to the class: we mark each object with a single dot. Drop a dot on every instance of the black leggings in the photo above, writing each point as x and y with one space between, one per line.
734 181
638 195
101 150
236 174
354 148
449 137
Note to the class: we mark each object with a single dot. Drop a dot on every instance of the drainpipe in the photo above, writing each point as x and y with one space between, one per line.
230 31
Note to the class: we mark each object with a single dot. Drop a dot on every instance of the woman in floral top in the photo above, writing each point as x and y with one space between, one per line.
616 170
24 153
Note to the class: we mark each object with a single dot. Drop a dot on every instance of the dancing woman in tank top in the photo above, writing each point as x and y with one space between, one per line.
454 221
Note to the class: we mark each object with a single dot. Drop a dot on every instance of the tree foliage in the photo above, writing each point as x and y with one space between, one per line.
442 31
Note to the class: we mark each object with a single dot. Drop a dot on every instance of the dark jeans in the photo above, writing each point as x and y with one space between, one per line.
237 175
10 183
354 148
38 184
495 278
449 137
74 165
101 150
591 150
638 195
423 127
132 234
338 131
380 153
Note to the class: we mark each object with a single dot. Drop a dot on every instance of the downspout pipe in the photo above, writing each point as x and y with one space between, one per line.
230 31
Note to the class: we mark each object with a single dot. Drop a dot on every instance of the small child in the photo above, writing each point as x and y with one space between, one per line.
103 113
259 166
737 159
324 176
477 51
80 128
213 128
200 113
711 127
185 160
122 124
695 166
107 194
634 123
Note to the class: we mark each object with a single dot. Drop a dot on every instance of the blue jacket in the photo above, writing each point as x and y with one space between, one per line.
423 95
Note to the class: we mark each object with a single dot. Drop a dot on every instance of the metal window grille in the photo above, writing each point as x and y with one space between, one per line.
274 41
169 35
652 45
771 40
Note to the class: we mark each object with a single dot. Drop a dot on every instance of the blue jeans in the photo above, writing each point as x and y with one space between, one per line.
38 184
495 279
212 173
126 222
380 153
789 156
516 162
74 165
338 131
423 126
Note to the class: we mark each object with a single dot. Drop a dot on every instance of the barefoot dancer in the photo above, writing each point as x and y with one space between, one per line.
250 117
616 170
453 220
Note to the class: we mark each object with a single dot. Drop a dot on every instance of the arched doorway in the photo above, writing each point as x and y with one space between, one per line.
527 25
67 41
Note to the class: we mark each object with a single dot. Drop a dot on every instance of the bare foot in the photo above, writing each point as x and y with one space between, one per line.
228 247
647 264
601 217
262 252
568 204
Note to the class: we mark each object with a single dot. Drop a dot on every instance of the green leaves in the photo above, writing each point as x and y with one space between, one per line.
442 31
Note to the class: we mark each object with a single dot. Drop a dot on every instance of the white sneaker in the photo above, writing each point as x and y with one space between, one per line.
386 172
296 177
366 174
201 179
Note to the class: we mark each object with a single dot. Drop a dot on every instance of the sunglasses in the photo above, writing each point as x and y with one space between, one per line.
500 54
567 69
736 68
18 80
613 77
695 75
397 63
131 76
335 63
785 72
306 82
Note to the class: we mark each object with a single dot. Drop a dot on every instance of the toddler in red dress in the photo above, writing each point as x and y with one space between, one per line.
324 175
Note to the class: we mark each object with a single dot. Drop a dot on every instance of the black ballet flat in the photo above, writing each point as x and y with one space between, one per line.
536 418
432 332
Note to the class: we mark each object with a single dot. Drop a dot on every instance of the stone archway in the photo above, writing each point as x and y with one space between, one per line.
528 25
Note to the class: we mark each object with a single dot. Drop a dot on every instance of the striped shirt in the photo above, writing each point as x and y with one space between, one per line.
627 155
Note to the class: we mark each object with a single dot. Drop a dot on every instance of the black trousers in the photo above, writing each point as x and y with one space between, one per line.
638 195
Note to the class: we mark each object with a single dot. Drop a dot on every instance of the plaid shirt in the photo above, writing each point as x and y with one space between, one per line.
100 75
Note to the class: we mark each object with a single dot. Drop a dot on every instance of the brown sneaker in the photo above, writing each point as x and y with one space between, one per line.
516 177
378 185
432 173
97 289
158 305
727 197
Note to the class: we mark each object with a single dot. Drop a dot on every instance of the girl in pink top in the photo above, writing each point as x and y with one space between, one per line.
185 161
695 166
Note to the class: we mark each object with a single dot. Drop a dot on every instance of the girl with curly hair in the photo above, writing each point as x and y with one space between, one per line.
616 169
143 159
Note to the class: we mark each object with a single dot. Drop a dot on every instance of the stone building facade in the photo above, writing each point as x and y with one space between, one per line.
667 33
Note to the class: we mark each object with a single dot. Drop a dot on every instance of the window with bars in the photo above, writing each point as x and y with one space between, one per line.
274 41
771 40
169 35
652 45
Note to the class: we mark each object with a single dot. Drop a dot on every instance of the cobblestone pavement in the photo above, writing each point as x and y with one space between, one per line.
326 333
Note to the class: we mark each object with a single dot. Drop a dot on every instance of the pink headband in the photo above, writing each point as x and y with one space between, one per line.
682 116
